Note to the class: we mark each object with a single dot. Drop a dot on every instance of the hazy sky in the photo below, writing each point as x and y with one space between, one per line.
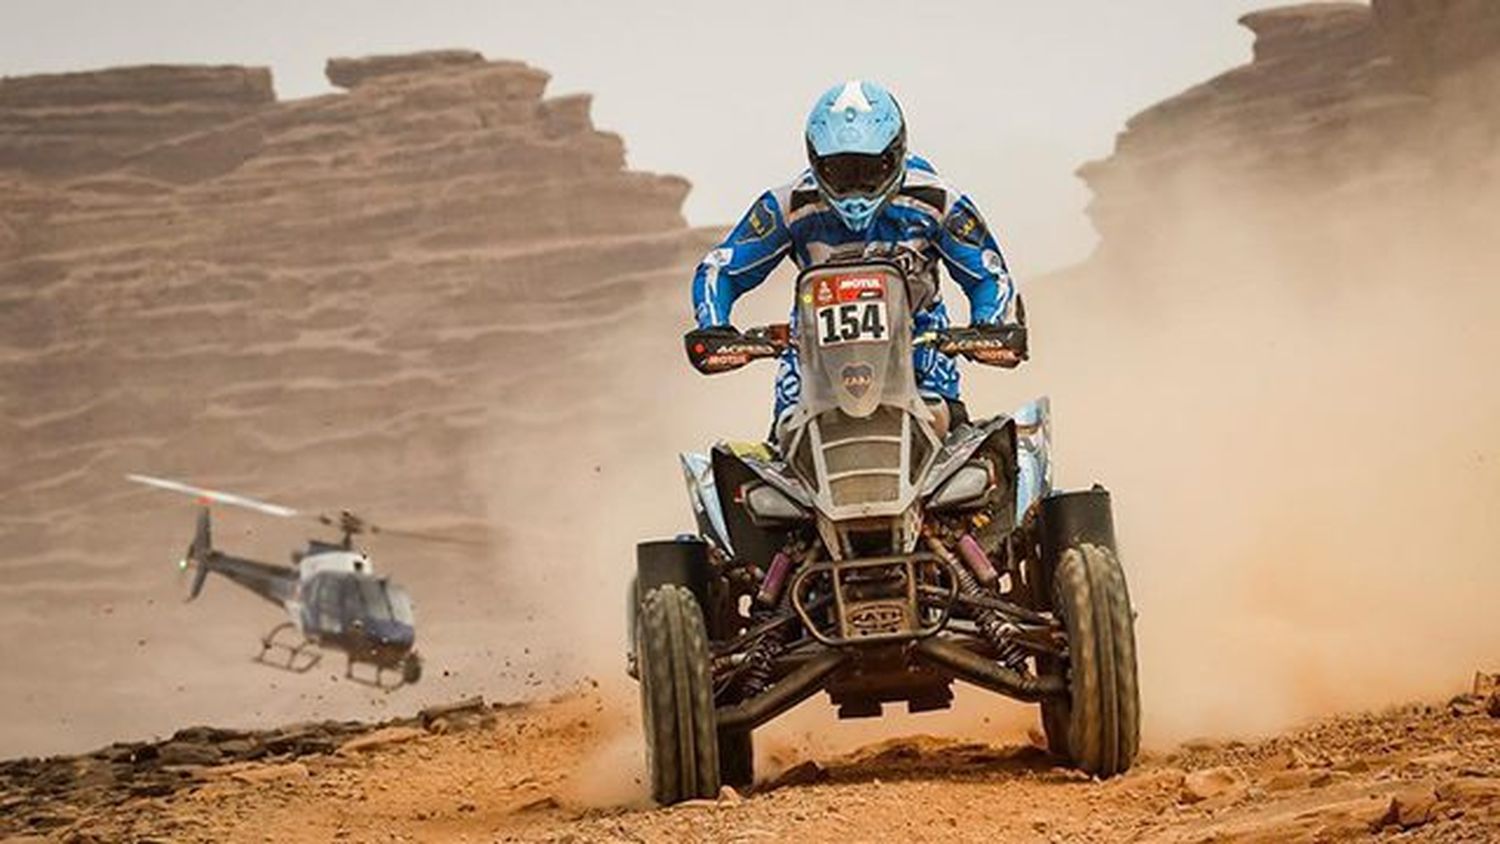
1007 97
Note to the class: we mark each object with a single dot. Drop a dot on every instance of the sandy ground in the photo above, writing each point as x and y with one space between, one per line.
556 772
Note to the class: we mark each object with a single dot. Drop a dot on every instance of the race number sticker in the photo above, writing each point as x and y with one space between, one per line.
851 309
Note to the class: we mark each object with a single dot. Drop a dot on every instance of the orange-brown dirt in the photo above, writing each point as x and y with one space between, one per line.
550 772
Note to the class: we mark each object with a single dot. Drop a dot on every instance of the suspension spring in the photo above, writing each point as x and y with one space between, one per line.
996 630
760 661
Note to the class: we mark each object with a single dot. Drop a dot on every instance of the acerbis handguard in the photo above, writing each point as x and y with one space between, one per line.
722 349
994 345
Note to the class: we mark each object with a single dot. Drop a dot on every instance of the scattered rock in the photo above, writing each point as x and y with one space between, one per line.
1223 782
1471 791
379 739
1462 706
1353 817
188 753
803 773
1348 820
1325 778
463 714
286 772
1290 780
1440 759
541 804
1487 687
151 789
93 773
1358 765
50 819
243 748
1162 779
1413 807
729 797
1302 758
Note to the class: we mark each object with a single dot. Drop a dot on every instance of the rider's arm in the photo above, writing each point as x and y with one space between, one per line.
974 260
739 264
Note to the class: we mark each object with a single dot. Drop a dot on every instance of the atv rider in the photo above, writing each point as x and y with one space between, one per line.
864 197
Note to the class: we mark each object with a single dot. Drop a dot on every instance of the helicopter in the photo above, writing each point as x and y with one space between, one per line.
332 596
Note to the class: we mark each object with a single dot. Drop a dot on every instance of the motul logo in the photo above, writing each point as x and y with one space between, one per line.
853 288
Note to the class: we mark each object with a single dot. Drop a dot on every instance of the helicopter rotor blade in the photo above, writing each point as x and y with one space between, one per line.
344 521
354 524
216 496
427 537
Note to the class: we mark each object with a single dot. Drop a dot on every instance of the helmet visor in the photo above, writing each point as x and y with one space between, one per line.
851 174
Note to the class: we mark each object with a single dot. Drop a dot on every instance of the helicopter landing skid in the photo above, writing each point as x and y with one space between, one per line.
298 657
376 682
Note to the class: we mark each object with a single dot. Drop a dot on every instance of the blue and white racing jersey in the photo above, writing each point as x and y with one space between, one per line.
925 223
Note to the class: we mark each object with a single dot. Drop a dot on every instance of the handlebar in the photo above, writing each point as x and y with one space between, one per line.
999 345
721 350
713 351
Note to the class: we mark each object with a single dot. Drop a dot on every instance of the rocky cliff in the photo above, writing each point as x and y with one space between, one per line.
1343 105
195 269
344 301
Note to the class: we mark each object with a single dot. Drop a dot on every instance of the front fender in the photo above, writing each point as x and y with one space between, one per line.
1021 441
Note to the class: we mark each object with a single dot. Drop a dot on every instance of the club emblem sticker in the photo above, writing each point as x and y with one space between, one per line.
857 379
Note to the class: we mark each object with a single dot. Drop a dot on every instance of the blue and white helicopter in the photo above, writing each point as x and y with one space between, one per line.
332 596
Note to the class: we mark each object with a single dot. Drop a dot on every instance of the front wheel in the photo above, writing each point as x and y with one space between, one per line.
1097 727
677 708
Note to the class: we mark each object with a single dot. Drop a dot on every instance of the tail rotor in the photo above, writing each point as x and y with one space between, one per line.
198 554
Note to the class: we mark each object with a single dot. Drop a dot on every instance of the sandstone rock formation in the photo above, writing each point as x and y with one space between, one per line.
61 125
341 300
1344 104
331 278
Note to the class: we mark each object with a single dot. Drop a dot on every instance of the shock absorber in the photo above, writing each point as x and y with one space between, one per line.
996 630
760 660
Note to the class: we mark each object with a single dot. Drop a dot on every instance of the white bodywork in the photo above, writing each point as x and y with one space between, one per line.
309 566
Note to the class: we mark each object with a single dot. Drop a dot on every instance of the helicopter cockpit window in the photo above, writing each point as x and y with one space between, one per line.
372 595
400 604
375 599
352 599
324 598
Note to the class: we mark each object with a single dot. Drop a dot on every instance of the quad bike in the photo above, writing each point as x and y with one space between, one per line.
868 558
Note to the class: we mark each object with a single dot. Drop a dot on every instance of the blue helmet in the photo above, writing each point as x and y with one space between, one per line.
856 144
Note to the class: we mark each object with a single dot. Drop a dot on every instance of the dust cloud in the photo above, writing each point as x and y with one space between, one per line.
1292 402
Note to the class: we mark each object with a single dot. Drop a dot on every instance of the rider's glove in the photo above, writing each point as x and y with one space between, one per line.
1002 357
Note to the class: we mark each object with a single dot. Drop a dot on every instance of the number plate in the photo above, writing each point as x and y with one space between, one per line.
851 309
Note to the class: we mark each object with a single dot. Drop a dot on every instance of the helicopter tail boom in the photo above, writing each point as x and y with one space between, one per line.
277 584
